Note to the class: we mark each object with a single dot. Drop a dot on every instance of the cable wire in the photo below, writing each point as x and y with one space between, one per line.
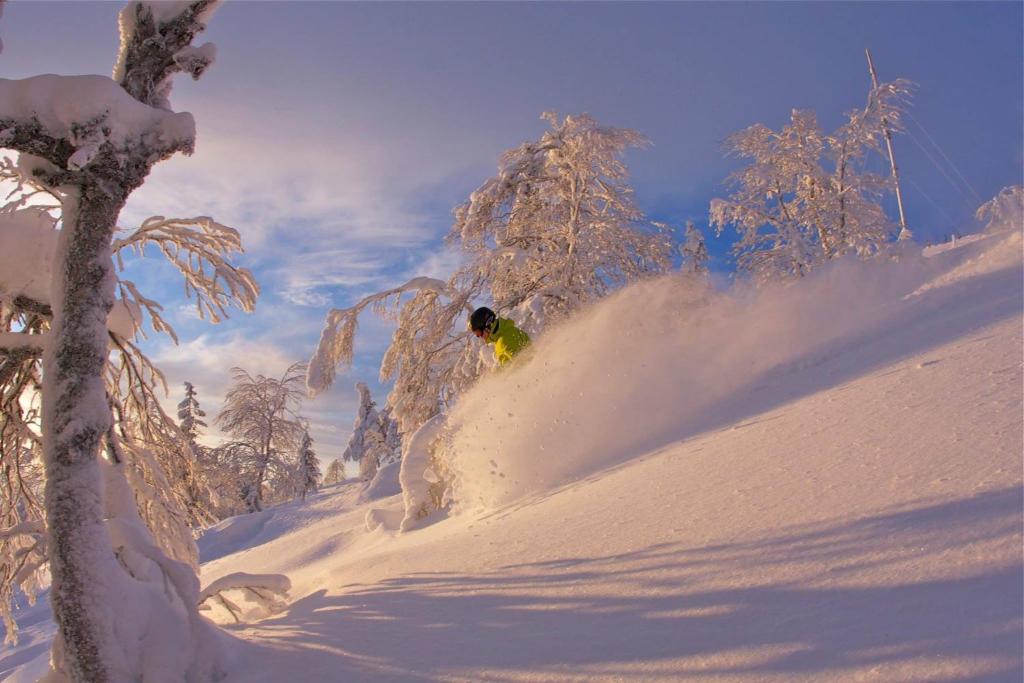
944 156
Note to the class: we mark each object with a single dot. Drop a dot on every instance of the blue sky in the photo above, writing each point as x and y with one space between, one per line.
337 137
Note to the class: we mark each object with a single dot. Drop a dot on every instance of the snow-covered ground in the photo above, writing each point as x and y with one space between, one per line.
816 483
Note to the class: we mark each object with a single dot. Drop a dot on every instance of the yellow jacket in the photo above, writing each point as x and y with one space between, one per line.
508 340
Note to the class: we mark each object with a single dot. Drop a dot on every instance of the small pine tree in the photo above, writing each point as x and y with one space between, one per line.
308 471
367 419
190 415
392 438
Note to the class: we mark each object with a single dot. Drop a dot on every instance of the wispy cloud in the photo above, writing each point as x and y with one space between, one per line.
311 189
308 279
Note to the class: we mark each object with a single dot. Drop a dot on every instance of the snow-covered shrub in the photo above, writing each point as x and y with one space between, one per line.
417 477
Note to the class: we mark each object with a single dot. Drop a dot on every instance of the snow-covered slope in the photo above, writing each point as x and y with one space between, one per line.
818 483
662 361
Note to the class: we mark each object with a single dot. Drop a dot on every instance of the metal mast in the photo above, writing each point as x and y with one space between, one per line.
905 233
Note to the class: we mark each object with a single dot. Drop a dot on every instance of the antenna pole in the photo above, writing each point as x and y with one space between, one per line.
905 233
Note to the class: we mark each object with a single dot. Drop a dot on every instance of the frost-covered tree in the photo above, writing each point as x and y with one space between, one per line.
190 415
392 442
308 475
261 414
853 212
694 250
124 598
790 212
200 473
335 473
556 229
370 462
1005 211
366 420
171 488
375 439
772 203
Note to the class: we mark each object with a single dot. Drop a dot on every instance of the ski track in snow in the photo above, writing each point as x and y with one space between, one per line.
843 505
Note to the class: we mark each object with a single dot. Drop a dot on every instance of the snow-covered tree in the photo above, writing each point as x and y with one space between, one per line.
375 440
190 415
853 212
791 213
307 477
366 420
124 588
392 443
1005 211
771 205
199 474
261 414
335 473
157 450
694 251
555 229
370 462
429 358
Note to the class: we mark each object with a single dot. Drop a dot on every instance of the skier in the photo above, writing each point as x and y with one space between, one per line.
508 339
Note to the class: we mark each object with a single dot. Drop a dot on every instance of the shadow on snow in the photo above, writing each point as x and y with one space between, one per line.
561 617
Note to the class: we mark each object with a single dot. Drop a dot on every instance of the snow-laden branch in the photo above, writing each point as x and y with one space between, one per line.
25 191
1005 211
22 558
33 527
337 340
268 591
21 343
199 248
156 43
68 120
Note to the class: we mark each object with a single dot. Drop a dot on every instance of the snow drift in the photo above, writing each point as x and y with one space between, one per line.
667 359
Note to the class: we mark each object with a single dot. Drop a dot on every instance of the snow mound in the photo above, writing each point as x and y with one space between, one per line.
668 359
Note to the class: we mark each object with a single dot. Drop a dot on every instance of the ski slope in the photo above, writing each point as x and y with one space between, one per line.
814 483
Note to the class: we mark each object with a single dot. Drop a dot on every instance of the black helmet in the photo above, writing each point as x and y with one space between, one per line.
482 319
